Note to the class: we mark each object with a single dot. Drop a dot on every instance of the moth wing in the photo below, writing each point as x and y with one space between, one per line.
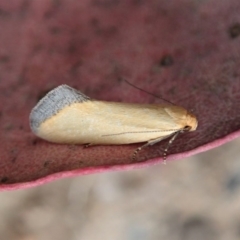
53 102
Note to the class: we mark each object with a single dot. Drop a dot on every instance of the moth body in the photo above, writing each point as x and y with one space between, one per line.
67 116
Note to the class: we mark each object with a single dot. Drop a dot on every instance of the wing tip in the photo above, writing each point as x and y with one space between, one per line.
53 102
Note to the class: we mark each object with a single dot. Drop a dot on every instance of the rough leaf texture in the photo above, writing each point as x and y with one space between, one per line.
185 51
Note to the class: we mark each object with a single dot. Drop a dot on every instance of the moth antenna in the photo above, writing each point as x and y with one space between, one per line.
148 92
121 133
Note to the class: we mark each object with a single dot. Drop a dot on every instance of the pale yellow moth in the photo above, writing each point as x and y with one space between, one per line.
66 115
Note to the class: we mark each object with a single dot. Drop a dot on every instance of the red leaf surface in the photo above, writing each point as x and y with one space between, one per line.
185 51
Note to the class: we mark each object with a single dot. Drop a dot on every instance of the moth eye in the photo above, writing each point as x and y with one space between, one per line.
187 128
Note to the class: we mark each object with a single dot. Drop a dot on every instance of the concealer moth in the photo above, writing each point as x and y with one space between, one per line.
67 116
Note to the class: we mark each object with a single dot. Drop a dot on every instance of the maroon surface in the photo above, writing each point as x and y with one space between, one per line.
186 51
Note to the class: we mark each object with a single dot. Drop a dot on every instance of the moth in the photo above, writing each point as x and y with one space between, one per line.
67 116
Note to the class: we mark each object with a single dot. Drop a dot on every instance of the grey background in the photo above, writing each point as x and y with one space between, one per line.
194 198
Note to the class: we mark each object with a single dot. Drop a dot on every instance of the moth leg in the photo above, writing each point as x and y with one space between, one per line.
87 145
154 141
169 144
149 143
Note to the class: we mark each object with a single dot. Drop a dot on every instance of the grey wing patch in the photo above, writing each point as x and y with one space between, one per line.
53 102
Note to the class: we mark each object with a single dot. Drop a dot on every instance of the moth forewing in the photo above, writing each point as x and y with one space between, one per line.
65 115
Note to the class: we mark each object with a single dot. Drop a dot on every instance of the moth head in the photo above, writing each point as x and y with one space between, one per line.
191 122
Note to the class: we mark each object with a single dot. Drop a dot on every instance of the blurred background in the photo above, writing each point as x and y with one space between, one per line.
193 198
